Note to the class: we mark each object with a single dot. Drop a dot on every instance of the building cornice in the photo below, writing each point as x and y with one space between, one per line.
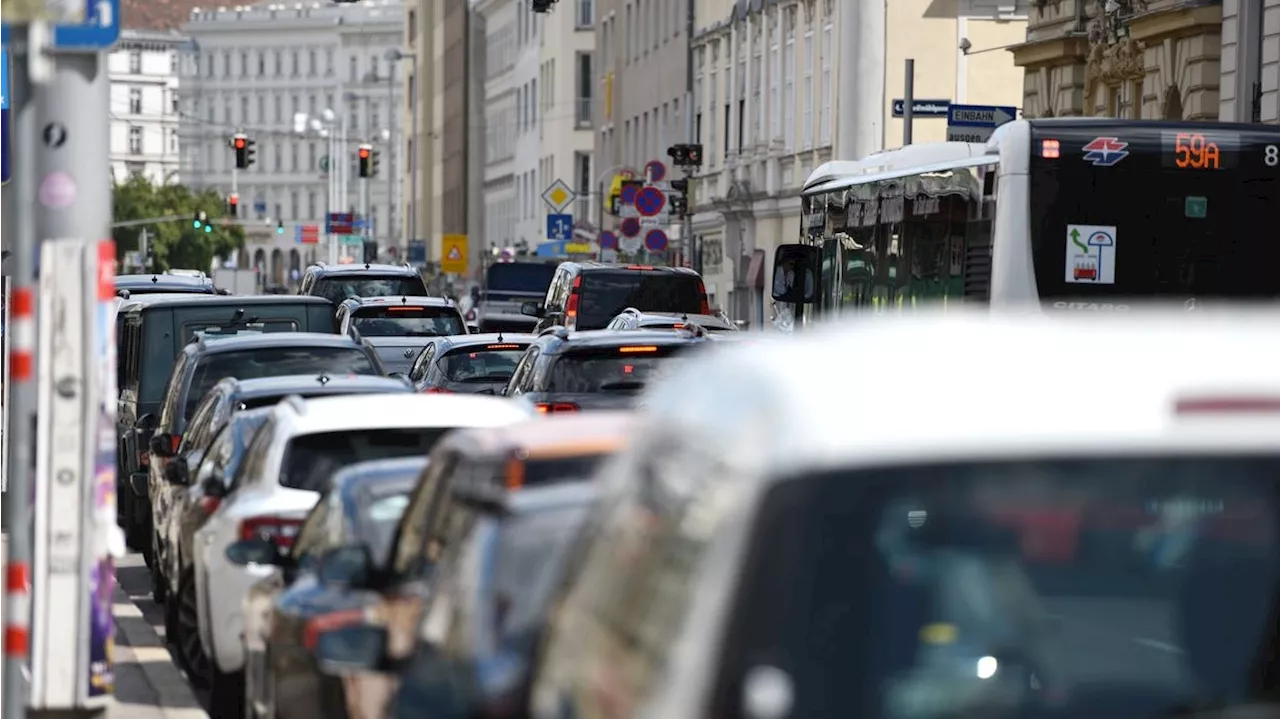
1180 20
1054 51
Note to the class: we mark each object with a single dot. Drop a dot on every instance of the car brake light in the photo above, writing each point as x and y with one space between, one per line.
279 530
1050 149
704 304
639 267
571 307
209 504
437 390
502 347
555 407
329 622
636 350
401 308
1228 405
176 441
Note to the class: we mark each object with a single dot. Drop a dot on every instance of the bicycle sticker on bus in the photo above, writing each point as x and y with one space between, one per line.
1091 254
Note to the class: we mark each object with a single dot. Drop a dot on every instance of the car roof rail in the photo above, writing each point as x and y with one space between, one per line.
295 403
559 331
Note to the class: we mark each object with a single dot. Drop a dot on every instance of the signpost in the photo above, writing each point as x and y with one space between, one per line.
921 108
558 196
975 123
340 223
307 234
559 227
454 254
5 157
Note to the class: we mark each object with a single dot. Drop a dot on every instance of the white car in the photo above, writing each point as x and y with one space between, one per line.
956 517
280 479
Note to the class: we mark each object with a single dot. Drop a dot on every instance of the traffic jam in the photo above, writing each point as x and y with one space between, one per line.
583 491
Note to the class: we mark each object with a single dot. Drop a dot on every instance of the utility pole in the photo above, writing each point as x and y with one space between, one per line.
688 246
908 101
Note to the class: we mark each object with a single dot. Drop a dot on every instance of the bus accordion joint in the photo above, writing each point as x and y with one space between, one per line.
638 350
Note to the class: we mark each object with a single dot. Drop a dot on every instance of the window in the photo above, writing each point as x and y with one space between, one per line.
262 108
353 112
262 64
311 158
173 140
278 63
175 102
135 62
244 110
413 27
808 90
824 120
586 17
328 62
313 67
135 140
244 64
374 119
373 66
277 152
757 79
293 156
584 89
713 102
278 103
135 101
294 62
775 77
293 205
311 205
789 81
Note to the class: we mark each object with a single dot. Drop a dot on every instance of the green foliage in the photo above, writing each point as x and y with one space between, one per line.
176 244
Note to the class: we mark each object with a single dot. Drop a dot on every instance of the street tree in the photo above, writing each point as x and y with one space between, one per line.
176 243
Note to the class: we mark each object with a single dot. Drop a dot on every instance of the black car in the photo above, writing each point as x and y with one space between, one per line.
491 592
359 513
204 362
229 396
338 282
565 371
134 285
469 364
587 295
151 332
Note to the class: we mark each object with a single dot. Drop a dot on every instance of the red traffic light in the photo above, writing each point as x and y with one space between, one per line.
240 143
364 153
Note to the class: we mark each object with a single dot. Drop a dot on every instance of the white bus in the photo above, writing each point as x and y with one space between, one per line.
1071 214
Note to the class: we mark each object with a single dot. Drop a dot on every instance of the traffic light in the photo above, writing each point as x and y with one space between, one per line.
685 155
202 222
366 155
244 149
541 5
681 186
280 227
233 205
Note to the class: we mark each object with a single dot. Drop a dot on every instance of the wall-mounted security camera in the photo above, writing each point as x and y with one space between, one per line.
965 45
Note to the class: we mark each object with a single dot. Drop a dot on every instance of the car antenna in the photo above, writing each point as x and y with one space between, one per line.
323 379
499 336
366 265
154 279
404 300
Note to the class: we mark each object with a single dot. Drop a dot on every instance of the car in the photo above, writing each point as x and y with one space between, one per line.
400 316
469 364
291 461
151 332
130 286
472 473
338 282
565 371
205 361
219 404
633 319
785 542
495 305
587 295
315 588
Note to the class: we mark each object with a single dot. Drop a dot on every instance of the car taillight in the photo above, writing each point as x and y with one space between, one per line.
571 307
437 390
280 530
209 504
329 622
555 407
704 302
144 459
175 440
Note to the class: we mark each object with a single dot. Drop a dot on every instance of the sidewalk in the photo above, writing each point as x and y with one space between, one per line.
148 684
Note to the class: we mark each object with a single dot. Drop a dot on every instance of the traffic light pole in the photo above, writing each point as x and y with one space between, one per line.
688 246
365 182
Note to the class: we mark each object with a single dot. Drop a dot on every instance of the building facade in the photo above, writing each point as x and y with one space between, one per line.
1123 58
418 80
1250 87
307 85
500 108
145 107
527 160
567 77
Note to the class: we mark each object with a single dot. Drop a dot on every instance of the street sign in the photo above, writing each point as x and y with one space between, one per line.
650 201
975 123
307 234
558 196
607 240
655 171
453 249
655 240
630 227
559 227
352 240
260 207
340 223
5 170
99 29
921 108
416 253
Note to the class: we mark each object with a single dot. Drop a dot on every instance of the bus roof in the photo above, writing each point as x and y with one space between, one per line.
890 161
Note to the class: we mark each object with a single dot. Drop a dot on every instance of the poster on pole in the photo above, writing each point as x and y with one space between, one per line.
102 574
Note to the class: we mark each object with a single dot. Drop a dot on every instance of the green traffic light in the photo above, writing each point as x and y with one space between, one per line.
279 229
208 228
195 224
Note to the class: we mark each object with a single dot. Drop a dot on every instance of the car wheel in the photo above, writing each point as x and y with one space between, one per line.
186 632
157 577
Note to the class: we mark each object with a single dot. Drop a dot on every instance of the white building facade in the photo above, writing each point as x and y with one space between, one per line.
143 71
567 98
530 36
1250 89
501 198
255 70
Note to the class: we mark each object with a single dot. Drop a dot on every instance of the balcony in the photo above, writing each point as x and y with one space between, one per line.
583 114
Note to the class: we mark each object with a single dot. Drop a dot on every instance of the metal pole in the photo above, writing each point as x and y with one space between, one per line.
686 231
334 162
412 234
366 187
20 236
908 101
393 115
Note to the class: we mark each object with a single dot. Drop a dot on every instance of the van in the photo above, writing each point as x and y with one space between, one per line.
588 295
151 335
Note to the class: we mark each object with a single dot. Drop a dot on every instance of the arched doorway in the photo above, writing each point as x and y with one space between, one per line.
277 266
260 260
295 265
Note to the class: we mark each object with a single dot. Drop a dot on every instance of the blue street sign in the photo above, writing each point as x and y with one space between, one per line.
922 108
260 207
980 115
559 227
655 240
416 254
5 166
100 31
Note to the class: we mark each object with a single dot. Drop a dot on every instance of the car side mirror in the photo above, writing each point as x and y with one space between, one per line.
177 473
473 329
253 551
795 274
356 648
350 565
532 309
162 445
147 423
475 293
214 486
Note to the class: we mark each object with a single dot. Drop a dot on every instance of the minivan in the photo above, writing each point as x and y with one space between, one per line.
588 295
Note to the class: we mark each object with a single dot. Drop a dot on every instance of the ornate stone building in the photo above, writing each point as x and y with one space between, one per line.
1152 59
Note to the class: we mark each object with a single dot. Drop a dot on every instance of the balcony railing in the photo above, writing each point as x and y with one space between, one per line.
583 115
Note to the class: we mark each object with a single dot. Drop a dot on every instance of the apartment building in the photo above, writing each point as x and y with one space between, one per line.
567 82
1250 86
143 71
1161 59
530 38
256 69
418 80
500 108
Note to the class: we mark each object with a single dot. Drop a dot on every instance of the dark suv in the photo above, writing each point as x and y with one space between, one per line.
338 282
587 295
565 371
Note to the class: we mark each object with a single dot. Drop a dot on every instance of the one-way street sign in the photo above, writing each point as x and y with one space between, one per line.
980 115
99 31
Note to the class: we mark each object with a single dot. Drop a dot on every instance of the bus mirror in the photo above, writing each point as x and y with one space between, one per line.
795 274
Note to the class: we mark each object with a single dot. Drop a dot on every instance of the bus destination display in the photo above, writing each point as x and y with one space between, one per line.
1194 150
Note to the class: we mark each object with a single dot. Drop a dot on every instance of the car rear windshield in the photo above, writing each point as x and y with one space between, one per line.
553 470
1127 587
605 294
481 363
612 369
310 460
340 287
274 362
533 550
272 400
408 321
381 515
522 277
216 330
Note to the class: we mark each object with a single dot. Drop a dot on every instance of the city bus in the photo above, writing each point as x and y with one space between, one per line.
1066 214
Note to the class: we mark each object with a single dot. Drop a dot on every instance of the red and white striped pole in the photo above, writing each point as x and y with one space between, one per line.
17 606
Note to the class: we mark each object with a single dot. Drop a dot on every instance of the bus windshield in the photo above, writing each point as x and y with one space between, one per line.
1154 210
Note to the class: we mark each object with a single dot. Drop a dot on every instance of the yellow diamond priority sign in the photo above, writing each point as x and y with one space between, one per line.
558 196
